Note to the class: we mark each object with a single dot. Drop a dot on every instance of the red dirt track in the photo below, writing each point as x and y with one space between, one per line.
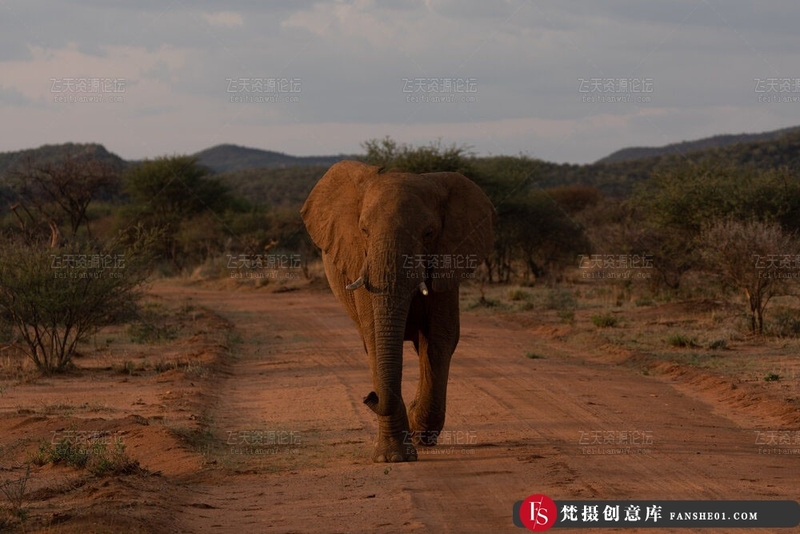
518 426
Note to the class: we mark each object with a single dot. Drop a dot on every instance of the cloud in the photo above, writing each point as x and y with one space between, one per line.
11 97
358 21
226 19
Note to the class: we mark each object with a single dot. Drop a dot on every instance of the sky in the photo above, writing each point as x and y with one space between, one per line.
559 80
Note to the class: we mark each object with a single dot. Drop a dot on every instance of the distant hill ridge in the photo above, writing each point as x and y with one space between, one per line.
685 147
283 179
46 154
226 158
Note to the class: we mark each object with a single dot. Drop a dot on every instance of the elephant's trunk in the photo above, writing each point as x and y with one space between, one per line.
390 323
391 297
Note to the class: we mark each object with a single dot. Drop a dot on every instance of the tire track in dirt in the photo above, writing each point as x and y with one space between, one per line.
516 425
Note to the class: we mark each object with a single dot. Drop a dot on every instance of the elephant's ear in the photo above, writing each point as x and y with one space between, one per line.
331 213
467 235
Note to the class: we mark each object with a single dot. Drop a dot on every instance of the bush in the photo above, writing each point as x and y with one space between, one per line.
785 323
151 326
518 294
567 316
681 340
718 344
56 298
560 299
95 457
604 320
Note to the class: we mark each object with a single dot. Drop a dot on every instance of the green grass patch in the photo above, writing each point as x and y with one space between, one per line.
604 320
98 458
681 341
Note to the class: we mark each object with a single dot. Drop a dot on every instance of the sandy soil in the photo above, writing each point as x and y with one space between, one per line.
260 428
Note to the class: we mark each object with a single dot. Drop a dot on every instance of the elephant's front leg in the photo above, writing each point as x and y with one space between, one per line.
394 443
435 346
383 341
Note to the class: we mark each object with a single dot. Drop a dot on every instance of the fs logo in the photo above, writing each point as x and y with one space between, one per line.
538 513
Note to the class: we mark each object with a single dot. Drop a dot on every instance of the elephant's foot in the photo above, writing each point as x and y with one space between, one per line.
394 450
425 429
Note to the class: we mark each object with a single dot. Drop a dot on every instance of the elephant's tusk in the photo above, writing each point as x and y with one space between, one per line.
355 285
423 289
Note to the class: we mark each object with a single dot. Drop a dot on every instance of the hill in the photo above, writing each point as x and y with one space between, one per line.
46 154
277 179
687 147
226 158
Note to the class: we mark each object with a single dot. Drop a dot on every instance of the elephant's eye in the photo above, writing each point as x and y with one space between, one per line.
364 232
428 233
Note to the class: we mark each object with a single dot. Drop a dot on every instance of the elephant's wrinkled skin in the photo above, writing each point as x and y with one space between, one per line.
382 235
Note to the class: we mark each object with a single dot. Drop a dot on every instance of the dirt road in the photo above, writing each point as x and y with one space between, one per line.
566 425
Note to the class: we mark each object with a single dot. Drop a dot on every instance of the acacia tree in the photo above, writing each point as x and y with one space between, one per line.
753 256
60 192
670 211
170 194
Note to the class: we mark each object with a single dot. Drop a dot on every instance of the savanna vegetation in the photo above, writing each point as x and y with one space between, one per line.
81 230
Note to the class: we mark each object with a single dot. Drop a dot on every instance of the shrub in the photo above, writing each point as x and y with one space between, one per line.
604 320
518 294
785 323
55 298
567 316
681 340
96 457
718 344
560 299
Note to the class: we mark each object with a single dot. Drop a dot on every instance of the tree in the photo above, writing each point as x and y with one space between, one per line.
60 193
434 157
169 192
753 256
671 210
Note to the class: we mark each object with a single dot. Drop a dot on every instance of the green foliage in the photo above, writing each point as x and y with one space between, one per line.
145 332
681 340
434 157
60 192
174 195
96 457
772 377
566 316
519 294
785 322
261 187
14 492
55 298
736 251
604 320
718 344
691 196
574 199
668 213
560 299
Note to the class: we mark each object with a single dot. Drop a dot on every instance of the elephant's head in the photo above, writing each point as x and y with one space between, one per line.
387 233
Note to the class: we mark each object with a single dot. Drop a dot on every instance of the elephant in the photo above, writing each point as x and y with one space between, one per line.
395 247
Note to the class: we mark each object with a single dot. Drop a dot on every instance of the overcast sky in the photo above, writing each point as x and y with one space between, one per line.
563 81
